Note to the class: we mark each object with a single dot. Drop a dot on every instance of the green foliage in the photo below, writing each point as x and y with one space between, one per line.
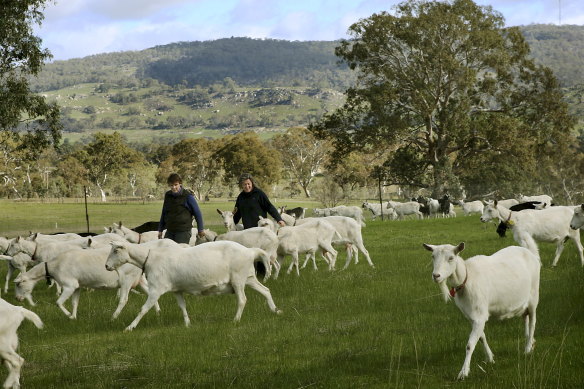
21 57
560 48
246 153
194 160
302 154
104 156
428 79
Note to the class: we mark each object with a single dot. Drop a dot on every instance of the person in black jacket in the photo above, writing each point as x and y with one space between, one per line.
252 203
178 211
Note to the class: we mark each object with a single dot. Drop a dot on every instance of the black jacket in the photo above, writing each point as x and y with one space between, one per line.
250 206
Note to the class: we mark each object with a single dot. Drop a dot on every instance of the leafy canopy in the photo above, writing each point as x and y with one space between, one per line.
25 115
428 79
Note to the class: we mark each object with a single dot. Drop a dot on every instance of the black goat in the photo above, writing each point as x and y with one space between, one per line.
297 212
502 227
148 226
424 208
444 204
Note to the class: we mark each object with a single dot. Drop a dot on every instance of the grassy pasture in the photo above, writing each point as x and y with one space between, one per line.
360 328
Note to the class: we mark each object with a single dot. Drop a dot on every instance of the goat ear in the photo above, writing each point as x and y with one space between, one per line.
459 248
582 206
428 247
120 223
495 203
219 212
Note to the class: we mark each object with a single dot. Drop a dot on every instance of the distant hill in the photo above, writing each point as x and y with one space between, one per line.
238 84
255 62
561 48
249 62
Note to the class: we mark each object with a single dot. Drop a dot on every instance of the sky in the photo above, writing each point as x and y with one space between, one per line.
78 28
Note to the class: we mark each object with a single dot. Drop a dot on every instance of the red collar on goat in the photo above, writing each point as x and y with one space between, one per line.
453 290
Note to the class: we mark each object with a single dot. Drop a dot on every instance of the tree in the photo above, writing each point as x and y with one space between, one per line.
105 155
354 171
303 155
432 82
74 175
27 116
247 153
194 160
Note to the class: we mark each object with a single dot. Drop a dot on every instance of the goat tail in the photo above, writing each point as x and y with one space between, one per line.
265 259
30 315
529 243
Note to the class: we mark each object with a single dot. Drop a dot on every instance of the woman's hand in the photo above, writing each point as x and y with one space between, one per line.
282 223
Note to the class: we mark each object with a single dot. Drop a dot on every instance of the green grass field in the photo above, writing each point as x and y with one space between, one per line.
386 327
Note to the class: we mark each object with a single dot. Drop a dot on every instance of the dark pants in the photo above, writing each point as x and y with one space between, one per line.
179 236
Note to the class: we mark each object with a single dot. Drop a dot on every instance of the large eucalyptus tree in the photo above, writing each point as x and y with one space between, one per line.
452 92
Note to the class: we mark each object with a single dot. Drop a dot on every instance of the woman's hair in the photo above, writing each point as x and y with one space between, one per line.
245 176
174 177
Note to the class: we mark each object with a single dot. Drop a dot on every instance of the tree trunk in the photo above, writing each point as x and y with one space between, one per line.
103 198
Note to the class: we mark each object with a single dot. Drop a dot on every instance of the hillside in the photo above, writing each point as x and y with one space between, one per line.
190 89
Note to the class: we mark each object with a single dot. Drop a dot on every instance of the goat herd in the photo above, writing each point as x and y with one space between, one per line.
503 285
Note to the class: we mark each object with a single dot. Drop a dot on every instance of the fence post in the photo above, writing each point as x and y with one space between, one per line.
86 213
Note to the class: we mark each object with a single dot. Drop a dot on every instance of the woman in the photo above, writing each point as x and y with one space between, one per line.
252 203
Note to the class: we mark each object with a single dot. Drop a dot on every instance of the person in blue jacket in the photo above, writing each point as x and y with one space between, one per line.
252 203
178 211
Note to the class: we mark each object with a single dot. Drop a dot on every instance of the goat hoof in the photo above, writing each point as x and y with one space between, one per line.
279 312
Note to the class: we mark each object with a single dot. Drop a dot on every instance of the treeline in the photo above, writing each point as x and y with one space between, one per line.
108 165
250 62
291 164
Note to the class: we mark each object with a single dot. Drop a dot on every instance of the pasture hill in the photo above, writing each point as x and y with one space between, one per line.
213 88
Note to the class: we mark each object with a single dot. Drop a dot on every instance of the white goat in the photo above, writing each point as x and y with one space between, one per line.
60 237
379 209
81 242
207 269
349 235
545 200
4 244
503 285
290 220
12 316
433 207
578 218
79 268
407 208
19 262
262 238
351 211
227 218
507 203
311 237
548 225
471 207
133 236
